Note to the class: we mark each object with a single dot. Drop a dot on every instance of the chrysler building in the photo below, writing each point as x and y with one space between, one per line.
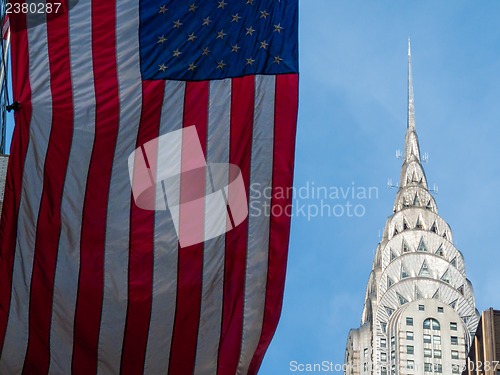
419 314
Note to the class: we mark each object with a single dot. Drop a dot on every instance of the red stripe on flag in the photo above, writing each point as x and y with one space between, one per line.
19 147
242 115
190 264
91 277
286 108
49 216
141 260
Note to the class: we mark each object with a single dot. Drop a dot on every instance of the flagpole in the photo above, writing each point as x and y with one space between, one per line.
4 97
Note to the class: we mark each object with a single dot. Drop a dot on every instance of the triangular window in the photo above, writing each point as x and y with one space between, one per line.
461 290
395 231
405 224
419 224
393 256
389 310
445 236
406 248
422 246
436 295
402 300
415 177
429 205
390 282
434 228
404 273
454 262
466 319
424 270
416 201
446 277
440 251
454 304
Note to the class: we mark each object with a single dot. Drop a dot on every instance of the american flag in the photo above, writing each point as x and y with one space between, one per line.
90 283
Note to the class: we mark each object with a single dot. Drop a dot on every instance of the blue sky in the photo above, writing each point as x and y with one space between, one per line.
352 119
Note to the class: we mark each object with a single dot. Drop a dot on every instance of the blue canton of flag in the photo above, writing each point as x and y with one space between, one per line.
215 39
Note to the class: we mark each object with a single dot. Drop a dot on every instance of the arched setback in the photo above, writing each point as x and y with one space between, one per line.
427 337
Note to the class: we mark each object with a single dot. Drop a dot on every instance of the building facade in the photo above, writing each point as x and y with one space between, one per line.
484 354
419 314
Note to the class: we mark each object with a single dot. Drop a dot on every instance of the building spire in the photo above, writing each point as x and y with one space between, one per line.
411 98
412 173
412 149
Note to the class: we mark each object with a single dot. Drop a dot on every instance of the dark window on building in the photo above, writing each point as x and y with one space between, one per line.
440 251
434 227
405 226
383 343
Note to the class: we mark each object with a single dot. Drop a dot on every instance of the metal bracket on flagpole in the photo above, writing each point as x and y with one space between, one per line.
16 106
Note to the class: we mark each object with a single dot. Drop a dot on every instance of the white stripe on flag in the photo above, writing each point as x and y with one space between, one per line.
261 175
165 252
68 256
16 337
219 116
114 307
